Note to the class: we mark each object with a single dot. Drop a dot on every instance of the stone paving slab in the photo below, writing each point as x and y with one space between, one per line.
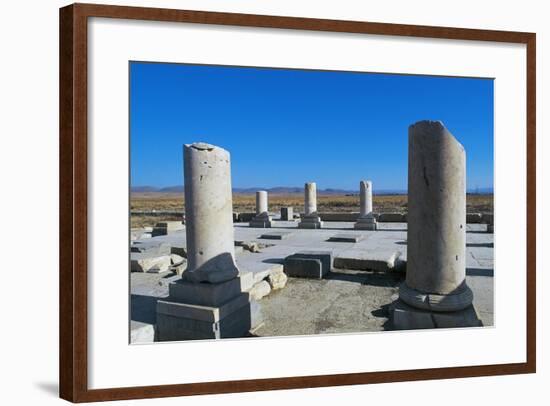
276 235
347 301
346 237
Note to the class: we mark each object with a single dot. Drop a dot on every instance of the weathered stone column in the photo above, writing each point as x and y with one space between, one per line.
262 218
209 214
436 238
261 202
310 219
310 198
211 280
366 220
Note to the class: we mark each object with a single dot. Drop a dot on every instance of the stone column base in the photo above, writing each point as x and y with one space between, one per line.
311 222
405 317
435 302
261 222
182 321
366 223
195 311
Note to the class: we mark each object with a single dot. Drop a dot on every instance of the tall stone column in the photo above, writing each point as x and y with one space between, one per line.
262 218
310 219
212 279
261 202
209 214
366 220
435 293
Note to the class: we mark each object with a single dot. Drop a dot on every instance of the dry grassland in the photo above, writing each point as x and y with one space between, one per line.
247 203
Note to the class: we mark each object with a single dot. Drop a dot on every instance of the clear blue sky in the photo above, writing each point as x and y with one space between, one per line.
286 127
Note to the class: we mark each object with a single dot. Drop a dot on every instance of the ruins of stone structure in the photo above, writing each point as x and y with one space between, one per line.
287 213
311 218
209 301
366 220
435 293
262 219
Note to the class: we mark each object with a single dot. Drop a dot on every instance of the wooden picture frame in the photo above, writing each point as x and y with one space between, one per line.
73 200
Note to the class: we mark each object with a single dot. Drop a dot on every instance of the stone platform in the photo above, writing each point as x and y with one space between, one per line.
353 297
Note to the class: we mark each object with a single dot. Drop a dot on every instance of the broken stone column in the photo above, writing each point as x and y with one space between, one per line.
366 220
210 299
262 219
311 218
435 293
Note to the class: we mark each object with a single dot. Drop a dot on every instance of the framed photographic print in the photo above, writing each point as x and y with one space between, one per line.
238 191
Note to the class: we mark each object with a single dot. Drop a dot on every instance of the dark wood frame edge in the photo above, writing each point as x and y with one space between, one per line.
73 201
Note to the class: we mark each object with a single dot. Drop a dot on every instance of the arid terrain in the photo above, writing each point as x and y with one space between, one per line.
149 201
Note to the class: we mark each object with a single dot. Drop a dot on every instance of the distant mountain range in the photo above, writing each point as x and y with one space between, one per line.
285 190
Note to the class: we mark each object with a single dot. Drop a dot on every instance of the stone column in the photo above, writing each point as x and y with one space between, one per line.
310 198
435 293
262 218
261 202
209 214
311 219
366 220
212 278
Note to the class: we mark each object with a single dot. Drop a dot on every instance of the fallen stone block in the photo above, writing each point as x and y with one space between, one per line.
167 227
277 279
378 260
304 268
176 259
308 264
248 245
260 290
343 237
178 250
143 262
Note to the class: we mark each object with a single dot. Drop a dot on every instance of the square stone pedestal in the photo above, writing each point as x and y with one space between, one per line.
261 222
310 222
195 311
405 317
366 223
